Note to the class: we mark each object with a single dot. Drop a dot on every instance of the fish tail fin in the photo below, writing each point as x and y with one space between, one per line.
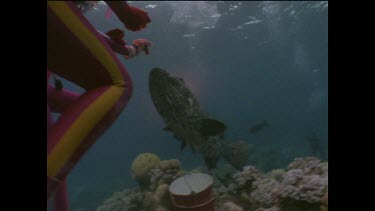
236 154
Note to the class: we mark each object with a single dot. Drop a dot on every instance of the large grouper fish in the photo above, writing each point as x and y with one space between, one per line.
191 125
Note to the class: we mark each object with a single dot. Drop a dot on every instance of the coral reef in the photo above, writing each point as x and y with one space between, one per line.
243 180
128 200
157 197
229 206
165 173
277 174
324 206
263 192
254 189
141 165
153 177
274 208
224 175
300 187
303 185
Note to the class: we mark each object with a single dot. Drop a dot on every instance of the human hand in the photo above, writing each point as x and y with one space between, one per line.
136 19
142 45
136 47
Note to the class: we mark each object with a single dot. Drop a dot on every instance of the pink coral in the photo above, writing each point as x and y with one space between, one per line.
263 192
274 208
307 180
244 179
230 206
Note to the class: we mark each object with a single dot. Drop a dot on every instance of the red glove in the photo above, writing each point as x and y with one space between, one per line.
116 35
133 18
142 45
136 47
136 19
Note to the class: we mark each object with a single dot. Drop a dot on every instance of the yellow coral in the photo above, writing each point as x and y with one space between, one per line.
158 200
161 193
160 208
144 163
230 206
164 165
180 173
325 198
149 202
174 163
324 206
169 164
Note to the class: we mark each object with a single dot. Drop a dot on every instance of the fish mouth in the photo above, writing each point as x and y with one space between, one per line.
158 73
158 78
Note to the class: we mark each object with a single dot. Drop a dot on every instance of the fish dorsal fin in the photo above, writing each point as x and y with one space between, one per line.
211 127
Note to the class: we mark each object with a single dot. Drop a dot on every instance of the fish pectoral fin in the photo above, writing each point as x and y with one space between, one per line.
211 127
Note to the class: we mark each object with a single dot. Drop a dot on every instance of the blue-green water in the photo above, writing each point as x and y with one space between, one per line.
245 61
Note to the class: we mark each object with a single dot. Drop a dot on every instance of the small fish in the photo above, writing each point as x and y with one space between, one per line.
191 125
258 127
189 35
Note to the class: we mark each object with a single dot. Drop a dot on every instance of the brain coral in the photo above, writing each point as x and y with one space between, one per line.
144 163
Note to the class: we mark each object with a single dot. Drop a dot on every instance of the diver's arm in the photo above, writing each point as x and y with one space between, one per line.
128 51
133 18
116 47
119 8
138 46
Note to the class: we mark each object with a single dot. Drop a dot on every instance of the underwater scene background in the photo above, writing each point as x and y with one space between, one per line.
246 62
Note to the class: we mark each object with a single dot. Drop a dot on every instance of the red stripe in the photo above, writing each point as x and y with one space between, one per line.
71 59
70 115
95 133
60 200
97 35
48 75
60 99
